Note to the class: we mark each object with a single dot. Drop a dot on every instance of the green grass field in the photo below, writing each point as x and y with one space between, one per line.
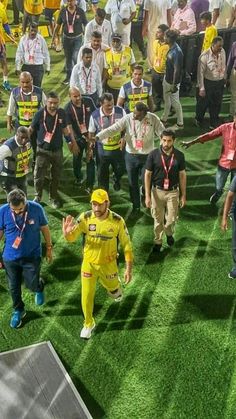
168 350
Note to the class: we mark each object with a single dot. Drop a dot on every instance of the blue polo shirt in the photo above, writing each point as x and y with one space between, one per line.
30 246
174 64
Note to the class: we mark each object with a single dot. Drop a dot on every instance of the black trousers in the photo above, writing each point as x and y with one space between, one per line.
113 158
36 71
136 36
9 183
157 88
212 101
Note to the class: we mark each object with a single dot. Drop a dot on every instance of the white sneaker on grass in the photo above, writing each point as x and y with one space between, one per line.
116 295
86 332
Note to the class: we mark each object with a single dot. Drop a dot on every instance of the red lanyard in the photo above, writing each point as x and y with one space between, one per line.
23 227
67 19
164 164
87 76
107 116
143 131
33 47
76 116
44 122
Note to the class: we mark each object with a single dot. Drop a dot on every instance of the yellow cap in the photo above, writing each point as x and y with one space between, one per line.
100 196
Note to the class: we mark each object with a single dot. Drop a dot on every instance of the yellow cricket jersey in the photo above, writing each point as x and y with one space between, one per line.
160 51
3 20
52 4
5 3
101 237
33 7
210 34
118 67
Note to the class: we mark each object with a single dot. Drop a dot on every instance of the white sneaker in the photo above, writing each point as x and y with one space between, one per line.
86 332
116 295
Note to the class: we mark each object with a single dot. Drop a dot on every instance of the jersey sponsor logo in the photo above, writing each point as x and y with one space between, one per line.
92 227
102 237
111 230
31 222
87 274
112 276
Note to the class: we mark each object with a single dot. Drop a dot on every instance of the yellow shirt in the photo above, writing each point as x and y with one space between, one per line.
5 3
210 34
118 65
100 246
3 20
160 51
52 4
33 7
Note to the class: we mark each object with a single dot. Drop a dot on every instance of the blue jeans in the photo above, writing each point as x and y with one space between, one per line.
71 49
17 270
221 179
135 166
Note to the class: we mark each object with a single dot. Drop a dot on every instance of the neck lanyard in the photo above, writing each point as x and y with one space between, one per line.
73 18
112 116
76 116
164 164
118 3
33 47
18 227
86 78
44 122
112 57
142 135
218 66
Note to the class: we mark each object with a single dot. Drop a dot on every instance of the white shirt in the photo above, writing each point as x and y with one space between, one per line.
120 10
92 126
79 3
88 80
145 130
98 55
157 13
32 52
225 9
104 29
133 86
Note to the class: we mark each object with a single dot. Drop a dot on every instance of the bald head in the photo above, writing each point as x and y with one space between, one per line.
75 96
26 81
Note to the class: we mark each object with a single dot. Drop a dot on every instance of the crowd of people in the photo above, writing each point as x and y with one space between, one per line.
110 120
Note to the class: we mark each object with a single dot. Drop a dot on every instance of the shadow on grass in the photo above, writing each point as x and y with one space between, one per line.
210 307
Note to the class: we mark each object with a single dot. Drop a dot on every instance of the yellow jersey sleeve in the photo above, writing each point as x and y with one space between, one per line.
124 239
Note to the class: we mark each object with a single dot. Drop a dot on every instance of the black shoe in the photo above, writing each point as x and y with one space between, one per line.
66 81
116 185
214 198
135 213
170 240
156 248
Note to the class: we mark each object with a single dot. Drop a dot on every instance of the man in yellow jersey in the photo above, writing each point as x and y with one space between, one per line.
102 229
119 61
3 59
160 50
210 30
32 12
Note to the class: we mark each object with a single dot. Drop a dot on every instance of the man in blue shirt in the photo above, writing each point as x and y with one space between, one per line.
21 223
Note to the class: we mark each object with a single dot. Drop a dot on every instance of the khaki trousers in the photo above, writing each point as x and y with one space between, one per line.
164 210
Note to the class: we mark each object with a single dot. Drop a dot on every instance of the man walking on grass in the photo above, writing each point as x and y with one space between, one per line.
102 229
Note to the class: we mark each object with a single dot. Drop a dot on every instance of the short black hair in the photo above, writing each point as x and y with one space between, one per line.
33 25
141 107
86 51
206 16
168 133
22 130
100 13
172 35
138 67
16 197
217 39
106 96
53 95
163 27
96 34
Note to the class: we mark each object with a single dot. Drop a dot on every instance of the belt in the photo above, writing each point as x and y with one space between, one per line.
173 188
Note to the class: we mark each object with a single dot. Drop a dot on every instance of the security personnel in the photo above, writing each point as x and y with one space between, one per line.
102 229
78 111
119 60
25 100
14 160
136 90
109 154
165 187
136 28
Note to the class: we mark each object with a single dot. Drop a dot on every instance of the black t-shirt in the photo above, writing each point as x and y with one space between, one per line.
78 17
38 124
83 114
154 164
